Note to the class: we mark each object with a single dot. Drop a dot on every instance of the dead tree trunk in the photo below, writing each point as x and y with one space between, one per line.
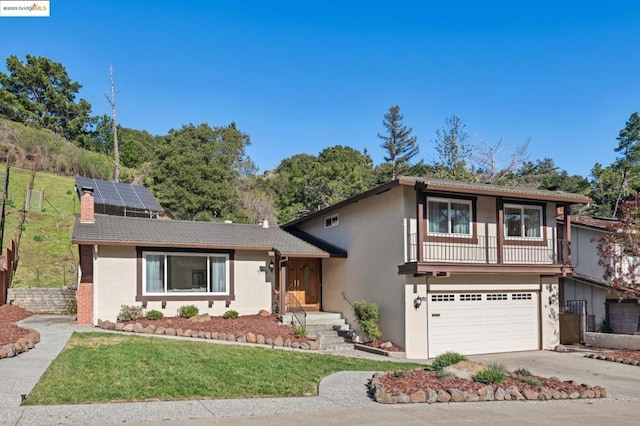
112 102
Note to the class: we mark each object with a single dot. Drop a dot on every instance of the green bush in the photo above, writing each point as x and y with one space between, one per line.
230 314
489 376
446 359
38 237
129 313
367 315
154 315
188 311
530 380
300 332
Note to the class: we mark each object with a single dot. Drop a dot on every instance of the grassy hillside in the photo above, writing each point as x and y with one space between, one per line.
46 256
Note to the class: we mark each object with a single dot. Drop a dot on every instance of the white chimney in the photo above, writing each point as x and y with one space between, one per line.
265 224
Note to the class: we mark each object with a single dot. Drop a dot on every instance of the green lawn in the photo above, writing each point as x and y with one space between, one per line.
103 367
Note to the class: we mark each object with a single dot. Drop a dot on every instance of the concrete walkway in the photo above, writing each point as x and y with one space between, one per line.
342 397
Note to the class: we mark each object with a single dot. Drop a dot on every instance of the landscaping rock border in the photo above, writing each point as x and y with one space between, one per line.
606 357
486 393
22 345
239 338
378 351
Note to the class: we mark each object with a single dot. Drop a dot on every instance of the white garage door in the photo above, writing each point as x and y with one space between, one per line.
480 322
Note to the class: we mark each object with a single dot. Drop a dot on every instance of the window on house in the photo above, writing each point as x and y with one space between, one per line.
331 221
523 221
449 216
185 272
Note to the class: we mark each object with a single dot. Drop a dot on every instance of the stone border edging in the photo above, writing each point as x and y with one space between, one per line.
211 335
377 351
612 359
22 345
487 393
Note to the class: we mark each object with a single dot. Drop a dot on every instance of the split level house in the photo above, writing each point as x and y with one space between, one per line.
586 292
453 266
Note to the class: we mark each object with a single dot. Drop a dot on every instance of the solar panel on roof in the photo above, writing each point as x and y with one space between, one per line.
120 194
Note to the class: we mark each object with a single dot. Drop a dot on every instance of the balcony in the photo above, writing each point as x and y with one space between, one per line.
486 254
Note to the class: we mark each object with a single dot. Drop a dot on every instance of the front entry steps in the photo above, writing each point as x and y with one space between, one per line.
330 328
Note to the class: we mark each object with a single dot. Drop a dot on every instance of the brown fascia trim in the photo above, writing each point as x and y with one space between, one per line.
433 269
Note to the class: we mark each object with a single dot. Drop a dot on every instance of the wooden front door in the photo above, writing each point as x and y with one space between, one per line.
303 280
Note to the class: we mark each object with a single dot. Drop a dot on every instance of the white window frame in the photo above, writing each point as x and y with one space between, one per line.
166 254
334 220
449 226
523 229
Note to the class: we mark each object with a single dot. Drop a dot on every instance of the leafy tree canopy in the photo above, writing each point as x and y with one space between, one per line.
197 170
39 92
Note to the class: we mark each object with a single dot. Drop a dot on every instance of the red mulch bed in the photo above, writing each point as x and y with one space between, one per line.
9 331
419 379
378 344
268 326
630 355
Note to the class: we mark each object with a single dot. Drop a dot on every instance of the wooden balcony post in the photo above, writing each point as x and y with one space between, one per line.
421 223
500 230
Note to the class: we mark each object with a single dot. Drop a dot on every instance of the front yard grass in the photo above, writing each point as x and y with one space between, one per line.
104 367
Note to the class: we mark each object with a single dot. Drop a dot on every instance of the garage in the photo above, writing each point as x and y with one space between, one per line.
482 322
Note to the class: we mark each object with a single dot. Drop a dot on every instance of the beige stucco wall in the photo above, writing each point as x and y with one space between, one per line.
115 285
373 231
549 313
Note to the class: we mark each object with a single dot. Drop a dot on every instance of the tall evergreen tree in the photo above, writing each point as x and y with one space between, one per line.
629 161
400 146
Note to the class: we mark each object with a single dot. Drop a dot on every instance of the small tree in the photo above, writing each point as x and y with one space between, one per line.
619 250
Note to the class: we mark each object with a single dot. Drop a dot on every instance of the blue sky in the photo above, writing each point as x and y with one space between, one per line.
301 76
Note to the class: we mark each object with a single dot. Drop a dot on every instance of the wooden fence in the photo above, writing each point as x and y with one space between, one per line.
7 266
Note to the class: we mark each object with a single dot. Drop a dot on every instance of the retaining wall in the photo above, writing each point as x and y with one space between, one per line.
613 341
44 300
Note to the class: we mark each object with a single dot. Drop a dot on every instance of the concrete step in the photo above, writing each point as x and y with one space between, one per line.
339 347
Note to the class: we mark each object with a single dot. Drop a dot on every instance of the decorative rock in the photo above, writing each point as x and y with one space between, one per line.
287 343
556 395
200 318
564 395
457 395
264 313
574 394
443 396
10 350
314 345
170 331
464 369
432 396
159 330
269 341
251 338
508 397
386 345
603 393
499 394
402 398
295 345
138 328
545 394
231 337
531 395
260 339
515 393
150 329
561 349
278 341
128 328
387 398
305 346
242 338
207 335
587 394
99 325
105 324
3 353
472 397
214 335
201 334
222 336
418 396
179 332
486 393
119 326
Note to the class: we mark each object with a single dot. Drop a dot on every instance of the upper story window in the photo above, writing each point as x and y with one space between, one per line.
331 221
523 221
175 273
451 217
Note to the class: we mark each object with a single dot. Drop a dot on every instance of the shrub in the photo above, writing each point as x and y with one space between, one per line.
446 359
188 311
367 316
300 332
154 315
497 366
530 380
230 314
38 237
489 376
129 312
522 372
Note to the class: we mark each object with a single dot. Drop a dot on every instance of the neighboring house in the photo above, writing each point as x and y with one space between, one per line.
587 284
453 266
164 264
